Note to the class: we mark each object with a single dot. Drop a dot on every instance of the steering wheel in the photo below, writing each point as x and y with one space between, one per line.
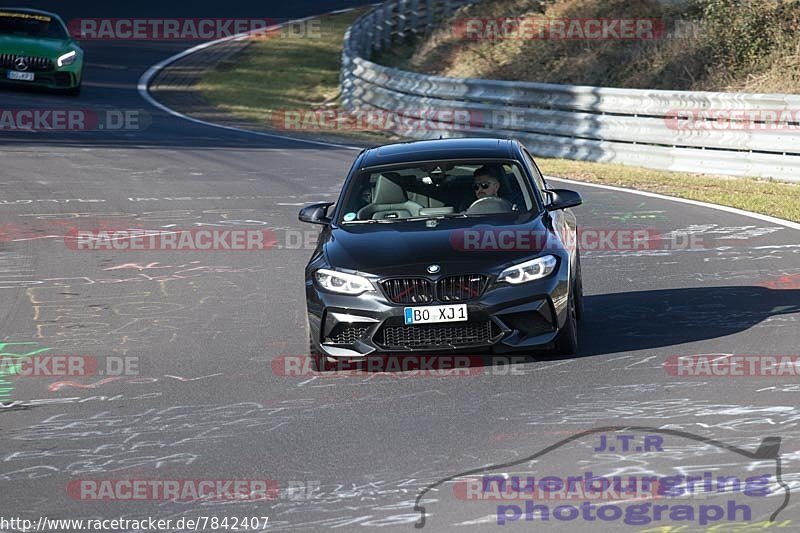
488 205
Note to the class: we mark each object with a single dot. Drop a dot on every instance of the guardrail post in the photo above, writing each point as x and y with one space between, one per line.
388 23
366 43
370 38
448 8
400 18
413 19
429 10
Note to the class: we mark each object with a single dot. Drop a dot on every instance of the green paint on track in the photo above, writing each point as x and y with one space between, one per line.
11 364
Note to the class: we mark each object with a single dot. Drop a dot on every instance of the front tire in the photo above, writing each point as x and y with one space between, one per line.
578 288
73 91
567 340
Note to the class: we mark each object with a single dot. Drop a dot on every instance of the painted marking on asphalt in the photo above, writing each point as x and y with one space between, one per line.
143 86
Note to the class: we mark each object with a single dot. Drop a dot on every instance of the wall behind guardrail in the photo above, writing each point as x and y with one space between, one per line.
650 128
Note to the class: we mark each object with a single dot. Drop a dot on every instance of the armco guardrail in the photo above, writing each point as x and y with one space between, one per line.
724 133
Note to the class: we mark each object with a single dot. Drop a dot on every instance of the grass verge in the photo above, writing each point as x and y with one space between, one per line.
285 73
768 197
303 73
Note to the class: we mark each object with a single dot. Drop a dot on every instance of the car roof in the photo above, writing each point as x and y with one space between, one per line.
29 10
440 149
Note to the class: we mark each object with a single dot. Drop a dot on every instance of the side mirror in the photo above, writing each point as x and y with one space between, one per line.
316 213
562 199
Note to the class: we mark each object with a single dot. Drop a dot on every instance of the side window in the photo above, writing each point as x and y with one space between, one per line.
537 176
517 193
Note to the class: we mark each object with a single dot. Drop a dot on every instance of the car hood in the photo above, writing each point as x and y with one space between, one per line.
408 248
28 46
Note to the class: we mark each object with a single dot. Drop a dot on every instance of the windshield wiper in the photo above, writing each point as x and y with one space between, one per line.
372 220
432 217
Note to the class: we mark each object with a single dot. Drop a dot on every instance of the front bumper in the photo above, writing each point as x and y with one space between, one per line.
62 78
503 318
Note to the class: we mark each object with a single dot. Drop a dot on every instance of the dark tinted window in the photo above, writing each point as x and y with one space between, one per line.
30 25
436 189
537 177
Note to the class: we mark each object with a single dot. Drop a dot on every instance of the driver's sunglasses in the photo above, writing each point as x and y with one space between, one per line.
481 185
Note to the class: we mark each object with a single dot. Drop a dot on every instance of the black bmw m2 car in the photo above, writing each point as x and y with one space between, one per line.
445 246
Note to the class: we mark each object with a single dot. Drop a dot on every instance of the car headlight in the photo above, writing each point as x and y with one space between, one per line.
343 283
67 59
538 268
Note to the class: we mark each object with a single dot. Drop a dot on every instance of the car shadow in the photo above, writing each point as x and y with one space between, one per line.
642 320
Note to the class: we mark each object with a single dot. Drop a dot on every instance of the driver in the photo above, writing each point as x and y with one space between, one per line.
485 182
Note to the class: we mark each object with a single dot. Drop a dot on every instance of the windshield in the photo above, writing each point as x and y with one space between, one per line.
436 189
31 25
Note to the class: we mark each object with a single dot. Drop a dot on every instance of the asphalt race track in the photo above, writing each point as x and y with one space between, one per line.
207 398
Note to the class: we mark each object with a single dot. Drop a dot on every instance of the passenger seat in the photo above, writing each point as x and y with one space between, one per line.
390 201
